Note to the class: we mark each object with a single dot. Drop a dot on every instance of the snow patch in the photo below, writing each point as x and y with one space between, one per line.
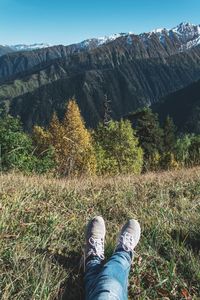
23 47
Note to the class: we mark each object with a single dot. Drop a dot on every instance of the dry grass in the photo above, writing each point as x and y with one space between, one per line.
42 233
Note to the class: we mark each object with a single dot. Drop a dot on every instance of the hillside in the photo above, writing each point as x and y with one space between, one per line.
186 101
42 233
129 84
4 50
133 70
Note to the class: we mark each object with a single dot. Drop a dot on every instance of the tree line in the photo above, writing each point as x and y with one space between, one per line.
67 148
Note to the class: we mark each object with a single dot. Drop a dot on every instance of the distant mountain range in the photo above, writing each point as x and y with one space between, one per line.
21 47
186 35
133 70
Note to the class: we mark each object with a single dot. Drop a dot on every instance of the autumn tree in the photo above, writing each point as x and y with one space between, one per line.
80 156
58 141
43 149
41 139
55 131
46 138
71 142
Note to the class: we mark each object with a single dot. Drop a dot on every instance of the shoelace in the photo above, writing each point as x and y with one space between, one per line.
126 240
97 247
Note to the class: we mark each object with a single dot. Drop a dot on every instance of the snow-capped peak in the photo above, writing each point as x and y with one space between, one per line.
23 47
186 33
106 39
158 30
183 27
187 30
96 42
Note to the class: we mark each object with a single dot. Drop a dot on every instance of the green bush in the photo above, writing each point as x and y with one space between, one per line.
187 150
117 149
45 162
16 148
194 151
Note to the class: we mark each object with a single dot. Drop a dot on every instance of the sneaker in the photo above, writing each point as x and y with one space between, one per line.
129 236
95 235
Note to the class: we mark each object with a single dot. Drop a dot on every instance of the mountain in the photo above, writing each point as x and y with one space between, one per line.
96 42
155 43
185 35
23 47
5 49
133 70
183 106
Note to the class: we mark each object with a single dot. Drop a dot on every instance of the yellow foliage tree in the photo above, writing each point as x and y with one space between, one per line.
55 130
169 162
58 141
80 155
41 139
72 142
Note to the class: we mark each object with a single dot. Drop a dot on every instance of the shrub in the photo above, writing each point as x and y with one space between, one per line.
187 150
16 146
117 149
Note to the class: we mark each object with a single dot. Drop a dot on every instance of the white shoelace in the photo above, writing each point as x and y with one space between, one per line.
97 247
127 241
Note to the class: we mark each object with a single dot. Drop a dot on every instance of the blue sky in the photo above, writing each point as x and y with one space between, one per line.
65 22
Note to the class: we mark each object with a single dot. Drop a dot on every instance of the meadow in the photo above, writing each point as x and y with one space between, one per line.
43 221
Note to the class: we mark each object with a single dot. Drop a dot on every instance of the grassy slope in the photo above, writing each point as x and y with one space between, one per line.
42 233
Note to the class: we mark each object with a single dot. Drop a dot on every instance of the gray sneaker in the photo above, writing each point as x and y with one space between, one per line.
129 236
95 235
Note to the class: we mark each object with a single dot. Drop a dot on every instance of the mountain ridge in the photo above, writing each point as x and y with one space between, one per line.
186 32
133 74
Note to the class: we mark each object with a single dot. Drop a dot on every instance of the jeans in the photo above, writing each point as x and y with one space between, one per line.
108 281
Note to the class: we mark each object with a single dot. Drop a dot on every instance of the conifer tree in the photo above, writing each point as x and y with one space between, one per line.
194 151
79 156
59 143
150 137
168 160
107 111
55 131
169 135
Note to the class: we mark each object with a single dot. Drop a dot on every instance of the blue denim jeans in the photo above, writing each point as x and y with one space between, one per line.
108 281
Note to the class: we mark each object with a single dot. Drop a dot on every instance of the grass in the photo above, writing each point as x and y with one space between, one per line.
42 233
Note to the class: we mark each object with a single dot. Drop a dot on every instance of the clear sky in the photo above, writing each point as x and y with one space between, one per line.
69 21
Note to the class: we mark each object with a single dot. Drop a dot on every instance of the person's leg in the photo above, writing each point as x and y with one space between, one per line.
111 282
94 252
